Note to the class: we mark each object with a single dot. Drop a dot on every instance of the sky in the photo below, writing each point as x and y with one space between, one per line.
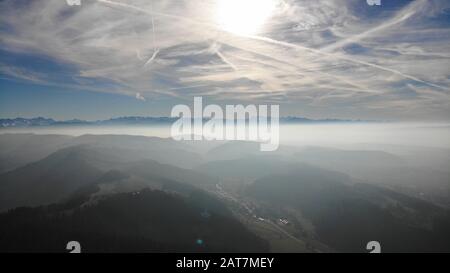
316 59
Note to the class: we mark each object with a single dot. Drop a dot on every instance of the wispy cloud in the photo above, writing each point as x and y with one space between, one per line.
18 73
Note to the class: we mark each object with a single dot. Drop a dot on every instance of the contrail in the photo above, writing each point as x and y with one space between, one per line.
153 25
124 5
278 60
151 58
155 50
317 51
225 60
402 16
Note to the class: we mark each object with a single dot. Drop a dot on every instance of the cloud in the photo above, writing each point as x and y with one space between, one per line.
306 55
18 73
140 97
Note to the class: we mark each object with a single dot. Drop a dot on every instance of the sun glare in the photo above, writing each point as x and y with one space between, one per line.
244 17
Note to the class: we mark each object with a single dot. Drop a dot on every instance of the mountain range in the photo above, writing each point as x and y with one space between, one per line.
117 193
41 121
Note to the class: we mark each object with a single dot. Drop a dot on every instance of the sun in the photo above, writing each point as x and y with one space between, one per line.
244 17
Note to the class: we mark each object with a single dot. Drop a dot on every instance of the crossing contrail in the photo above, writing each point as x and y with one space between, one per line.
281 43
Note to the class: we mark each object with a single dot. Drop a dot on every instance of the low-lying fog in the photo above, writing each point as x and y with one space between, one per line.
334 134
